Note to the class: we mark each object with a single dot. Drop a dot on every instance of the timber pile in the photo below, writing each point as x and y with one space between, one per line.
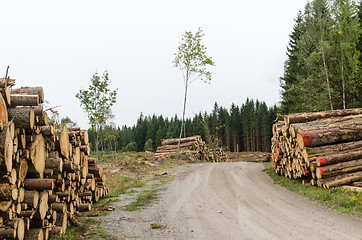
45 175
193 147
321 148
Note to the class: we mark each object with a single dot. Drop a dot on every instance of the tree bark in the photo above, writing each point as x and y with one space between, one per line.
339 157
30 91
23 117
339 168
24 100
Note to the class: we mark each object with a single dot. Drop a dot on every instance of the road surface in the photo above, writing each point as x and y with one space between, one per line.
239 201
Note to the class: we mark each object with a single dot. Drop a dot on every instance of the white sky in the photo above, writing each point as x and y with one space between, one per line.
59 45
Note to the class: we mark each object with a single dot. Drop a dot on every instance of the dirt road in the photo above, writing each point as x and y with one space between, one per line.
237 201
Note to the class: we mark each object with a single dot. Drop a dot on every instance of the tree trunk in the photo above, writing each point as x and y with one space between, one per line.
339 157
3 112
321 137
308 117
30 91
7 147
31 198
37 156
339 168
23 117
39 184
24 100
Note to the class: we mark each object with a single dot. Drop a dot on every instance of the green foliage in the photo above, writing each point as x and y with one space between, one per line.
323 68
97 101
67 121
130 147
144 197
149 145
191 59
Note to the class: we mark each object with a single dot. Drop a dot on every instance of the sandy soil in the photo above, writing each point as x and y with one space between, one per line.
229 201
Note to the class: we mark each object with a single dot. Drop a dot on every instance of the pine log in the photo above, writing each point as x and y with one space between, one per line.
84 207
43 206
3 112
5 205
76 155
7 147
329 136
38 110
176 140
62 221
30 91
64 142
339 157
339 168
34 234
31 198
37 157
56 164
5 92
22 170
97 171
39 184
24 100
308 117
48 130
7 233
8 193
23 117
343 181
60 207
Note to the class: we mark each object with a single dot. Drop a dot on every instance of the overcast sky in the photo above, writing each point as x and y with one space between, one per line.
59 45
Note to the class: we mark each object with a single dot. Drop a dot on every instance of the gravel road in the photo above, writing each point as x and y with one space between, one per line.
231 201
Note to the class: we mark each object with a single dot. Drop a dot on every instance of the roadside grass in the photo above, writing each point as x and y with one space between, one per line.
89 229
341 200
144 197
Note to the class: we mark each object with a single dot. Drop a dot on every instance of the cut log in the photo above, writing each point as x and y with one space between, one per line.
24 100
64 142
23 117
7 233
5 205
84 207
54 163
329 136
338 168
8 193
175 140
48 130
30 91
308 117
22 170
34 234
343 181
39 184
37 157
31 198
60 207
43 206
3 112
339 157
7 147
5 92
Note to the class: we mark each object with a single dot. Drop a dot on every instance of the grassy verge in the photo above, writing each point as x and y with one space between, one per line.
144 197
89 229
336 198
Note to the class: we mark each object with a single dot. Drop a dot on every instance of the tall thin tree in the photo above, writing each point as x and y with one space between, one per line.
191 59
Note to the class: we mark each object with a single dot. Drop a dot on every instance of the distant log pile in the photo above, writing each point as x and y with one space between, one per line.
46 175
322 148
193 147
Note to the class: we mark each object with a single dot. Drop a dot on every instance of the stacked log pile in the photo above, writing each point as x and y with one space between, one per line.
322 148
46 175
193 147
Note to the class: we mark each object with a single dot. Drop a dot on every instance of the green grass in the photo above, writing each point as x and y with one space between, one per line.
336 198
145 197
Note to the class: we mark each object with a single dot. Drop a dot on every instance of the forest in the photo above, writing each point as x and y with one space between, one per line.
323 67
322 72
244 128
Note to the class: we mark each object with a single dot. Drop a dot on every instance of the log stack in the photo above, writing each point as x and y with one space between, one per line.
46 175
193 147
321 148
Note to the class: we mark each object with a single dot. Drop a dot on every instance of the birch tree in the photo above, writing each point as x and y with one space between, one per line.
191 59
